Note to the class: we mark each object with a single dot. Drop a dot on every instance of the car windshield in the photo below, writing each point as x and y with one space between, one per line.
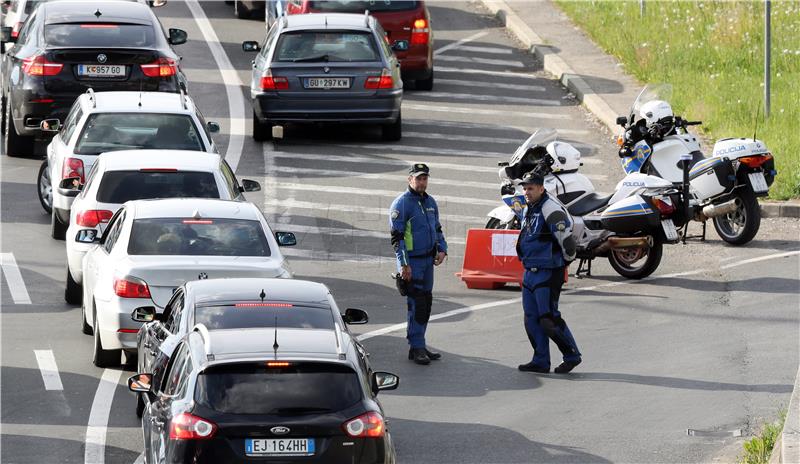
345 6
99 35
121 186
245 315
255 388
129 131
327 46
198 237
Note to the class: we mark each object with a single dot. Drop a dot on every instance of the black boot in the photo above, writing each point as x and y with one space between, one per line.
432 355
531 367
566 366
419 356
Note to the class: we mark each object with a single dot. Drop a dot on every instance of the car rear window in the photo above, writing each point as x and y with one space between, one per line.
121 186
198 237
130 131
326 46
344 6
99 35
255 388
253 314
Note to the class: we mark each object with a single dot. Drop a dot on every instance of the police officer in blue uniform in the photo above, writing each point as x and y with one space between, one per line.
545 246
419 245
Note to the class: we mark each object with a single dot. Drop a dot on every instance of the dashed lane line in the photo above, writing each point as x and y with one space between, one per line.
16 286
49 369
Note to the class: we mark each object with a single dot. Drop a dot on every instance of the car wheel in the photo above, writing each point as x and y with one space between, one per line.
425 84
85 327
13 143
73 291
392 132
261 131
58 230
103 357
44 187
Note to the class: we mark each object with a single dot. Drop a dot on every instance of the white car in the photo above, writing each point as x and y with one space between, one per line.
123 176
112 121
152 247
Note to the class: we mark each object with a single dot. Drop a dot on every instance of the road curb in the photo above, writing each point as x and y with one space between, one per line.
789 445
593 102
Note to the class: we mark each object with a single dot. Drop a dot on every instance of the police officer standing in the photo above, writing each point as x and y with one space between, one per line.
545 246
419 245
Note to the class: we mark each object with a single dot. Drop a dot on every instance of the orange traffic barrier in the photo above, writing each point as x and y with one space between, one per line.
490 259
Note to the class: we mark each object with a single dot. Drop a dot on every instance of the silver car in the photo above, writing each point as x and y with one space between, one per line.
325 68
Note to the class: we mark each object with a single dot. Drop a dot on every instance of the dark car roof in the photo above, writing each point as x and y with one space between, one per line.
85 11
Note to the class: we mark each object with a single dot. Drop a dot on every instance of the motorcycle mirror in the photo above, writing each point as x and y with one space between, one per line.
622 120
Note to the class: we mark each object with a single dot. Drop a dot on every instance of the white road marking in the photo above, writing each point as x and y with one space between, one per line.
98 416
481 49
139 459
482 139
477 60
487 98
16 286
459 43
367 192
761 258
488 72
325 256
350 232
472 111
426 150
399 163
232 82
491 85
486 127
48 369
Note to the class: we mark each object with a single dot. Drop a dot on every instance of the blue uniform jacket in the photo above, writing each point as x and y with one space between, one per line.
415 227
545 240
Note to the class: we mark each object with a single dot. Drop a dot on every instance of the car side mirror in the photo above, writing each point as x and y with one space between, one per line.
354 316
87 236
144 314
384 381
212 126
286 238
400 46
157 3
250 186
622 120
141 383
5 35
50 125
70 183
177 36
250 46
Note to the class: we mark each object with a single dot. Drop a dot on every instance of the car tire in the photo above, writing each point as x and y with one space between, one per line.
14 144
44 187
101 356
58 230
85 327
261 131
393 132
425 84
73 291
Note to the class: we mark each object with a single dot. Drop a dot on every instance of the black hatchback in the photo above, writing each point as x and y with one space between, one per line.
67 47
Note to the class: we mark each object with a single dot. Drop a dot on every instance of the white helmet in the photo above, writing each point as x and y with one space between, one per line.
655 111
565 156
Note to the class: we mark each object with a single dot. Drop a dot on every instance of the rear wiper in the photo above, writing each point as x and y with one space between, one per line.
299 410
324 57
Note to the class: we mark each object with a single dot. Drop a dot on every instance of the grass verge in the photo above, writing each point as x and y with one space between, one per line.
758 449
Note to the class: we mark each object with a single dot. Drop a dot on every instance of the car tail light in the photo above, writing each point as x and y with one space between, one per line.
755 161
162 67
93 217
277 364
268 82
73 167
663 205
187 426
131 287
39 66
369 425
16 29
420 32
384 81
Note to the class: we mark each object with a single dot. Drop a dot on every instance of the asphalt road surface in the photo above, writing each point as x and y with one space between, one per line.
709 343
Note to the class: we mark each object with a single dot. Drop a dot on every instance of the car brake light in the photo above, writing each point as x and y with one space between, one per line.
131 287
158 170
755 161
268 82
93 217
16 29
73 167
420 32
263 305
162 67
99 26
278 364
39 66
187 426
197 221
369 425
384 81
664 205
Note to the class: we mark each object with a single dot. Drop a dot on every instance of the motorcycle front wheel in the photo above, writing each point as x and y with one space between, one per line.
638 263
740 226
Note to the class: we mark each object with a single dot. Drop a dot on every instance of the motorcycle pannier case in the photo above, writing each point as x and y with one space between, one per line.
630 215
712 176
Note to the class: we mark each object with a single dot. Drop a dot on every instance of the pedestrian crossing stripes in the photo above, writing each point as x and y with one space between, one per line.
489 98
418 105
493 85
477 60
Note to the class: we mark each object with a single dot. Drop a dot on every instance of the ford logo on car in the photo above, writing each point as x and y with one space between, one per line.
279 430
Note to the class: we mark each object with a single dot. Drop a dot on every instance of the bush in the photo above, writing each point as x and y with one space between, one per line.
758 449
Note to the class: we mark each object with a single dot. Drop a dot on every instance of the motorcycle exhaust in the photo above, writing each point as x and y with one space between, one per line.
617 243
712 211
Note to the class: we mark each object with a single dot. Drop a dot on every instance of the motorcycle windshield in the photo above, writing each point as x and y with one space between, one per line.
540 138
649 93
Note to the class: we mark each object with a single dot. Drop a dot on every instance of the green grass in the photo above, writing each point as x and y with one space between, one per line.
712 53
758 449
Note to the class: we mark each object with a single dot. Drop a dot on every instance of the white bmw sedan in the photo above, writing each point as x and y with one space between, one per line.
152 247
123 176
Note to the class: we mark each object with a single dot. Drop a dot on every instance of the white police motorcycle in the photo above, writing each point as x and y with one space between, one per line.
628 227
723 187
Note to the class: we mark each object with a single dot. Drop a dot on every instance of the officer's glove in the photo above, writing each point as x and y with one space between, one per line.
402 284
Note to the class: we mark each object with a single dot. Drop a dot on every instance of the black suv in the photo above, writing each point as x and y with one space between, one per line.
277 394
67 47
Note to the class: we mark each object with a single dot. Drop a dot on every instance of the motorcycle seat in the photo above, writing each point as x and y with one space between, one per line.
589 203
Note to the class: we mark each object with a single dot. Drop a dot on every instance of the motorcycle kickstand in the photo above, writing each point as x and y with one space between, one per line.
581 273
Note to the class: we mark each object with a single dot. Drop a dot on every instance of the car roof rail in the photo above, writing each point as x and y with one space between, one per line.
183 99
366 18
339 348
92 98
203 331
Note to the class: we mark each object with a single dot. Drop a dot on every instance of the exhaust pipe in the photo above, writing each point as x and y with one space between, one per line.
712 211
617 243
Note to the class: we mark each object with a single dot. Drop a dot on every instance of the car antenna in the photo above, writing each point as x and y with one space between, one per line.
141 83
98 14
